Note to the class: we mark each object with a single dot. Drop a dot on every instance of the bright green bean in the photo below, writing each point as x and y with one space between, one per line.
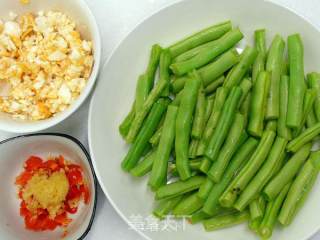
212 71
155 139
238 160
308 135
145 166
158 175
269 220
224 124
177 99
245 108
142 91
199 38
187 206
300 189
274 65
199 116
153 65
125 125
198 217
205 189
261 178
148 128
177 84
238 72
308 103
282 129
272 125
311 119
297 85
258 103
209 108
221 95
260 40
212 87
245 86
166 206
183 126
180 187
257 208
164 71
287 173
260 45
228 114
314 83
250 169
193 163
141 115
193 146
229 148
224 221
206 55
194 51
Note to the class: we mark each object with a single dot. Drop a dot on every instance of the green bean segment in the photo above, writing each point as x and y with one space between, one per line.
206 55
180 187
287 173
183 126
206 35
158 175
258 104
297 84
274 65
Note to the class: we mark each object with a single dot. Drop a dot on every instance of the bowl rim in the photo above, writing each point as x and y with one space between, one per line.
40 125
106 62
88 158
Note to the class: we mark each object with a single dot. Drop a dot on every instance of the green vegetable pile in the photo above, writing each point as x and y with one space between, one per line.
232 132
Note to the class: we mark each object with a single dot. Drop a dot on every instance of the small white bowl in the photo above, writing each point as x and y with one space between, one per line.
13 153
86 24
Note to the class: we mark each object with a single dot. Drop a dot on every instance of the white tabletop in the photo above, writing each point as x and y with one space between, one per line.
116 19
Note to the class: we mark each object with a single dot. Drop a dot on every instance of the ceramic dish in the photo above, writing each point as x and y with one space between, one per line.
113 98
86 25
13 153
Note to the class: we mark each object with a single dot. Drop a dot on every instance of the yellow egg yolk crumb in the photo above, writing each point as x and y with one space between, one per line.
47 192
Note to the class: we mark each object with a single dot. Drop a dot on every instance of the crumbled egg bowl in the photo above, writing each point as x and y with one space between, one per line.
49 60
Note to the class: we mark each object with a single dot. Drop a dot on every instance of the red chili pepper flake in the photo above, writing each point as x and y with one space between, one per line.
40 220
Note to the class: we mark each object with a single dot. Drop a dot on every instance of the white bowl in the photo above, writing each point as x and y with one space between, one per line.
113 98
86 24
13 153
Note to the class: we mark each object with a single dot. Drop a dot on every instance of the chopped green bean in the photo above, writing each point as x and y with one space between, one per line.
236 164
250 169
308 135
274 65
180 187
147 105
145 166
261 178
287 173
238 72
282 129
297 85
258 103
205 35
158 175
225 221
183 126
206 55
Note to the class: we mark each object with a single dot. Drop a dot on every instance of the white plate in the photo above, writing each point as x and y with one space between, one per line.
115 91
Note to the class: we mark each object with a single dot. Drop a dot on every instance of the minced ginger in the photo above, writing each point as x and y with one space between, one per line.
46 192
